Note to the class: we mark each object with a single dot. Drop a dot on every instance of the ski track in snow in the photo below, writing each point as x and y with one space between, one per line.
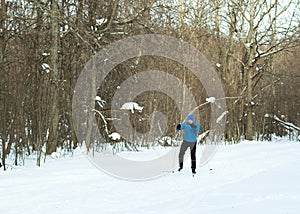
246 178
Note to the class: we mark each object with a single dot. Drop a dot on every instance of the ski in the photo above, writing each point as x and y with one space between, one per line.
169 171
176 172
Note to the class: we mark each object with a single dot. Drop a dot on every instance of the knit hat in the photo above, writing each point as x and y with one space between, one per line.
191 117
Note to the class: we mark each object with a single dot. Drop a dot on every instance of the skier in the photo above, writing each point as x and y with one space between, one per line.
191 130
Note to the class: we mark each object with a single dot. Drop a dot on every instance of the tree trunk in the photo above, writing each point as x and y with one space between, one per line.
90 115
3 79
52 141
249 126
249 69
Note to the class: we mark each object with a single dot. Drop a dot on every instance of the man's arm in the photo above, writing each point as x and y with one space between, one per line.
198 127
181 126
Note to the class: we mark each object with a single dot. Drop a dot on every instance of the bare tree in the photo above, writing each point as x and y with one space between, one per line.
54 112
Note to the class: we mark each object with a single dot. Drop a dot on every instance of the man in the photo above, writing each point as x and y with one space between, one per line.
191 130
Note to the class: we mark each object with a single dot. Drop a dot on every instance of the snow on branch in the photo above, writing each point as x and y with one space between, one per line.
291 125
100 102
288 125
211 99
115 136
221 116
103 119
131 106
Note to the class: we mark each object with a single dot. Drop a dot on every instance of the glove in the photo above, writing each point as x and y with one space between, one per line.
178 127
193 126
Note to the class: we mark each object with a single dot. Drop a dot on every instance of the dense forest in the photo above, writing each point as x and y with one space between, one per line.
253 45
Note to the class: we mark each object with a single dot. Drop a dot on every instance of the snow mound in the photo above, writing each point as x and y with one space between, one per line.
55 155
166 140
58 154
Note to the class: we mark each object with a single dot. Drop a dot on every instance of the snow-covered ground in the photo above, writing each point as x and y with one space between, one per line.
246 178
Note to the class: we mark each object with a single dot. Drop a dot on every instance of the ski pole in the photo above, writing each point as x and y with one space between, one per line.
207 160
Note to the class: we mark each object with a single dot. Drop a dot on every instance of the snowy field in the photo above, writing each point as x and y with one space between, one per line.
246 178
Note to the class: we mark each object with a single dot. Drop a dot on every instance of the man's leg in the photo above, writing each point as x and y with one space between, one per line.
193 156
183 148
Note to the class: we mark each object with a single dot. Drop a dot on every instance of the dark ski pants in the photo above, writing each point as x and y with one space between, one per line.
184 146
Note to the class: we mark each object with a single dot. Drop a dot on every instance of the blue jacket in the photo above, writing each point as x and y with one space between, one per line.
190 134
